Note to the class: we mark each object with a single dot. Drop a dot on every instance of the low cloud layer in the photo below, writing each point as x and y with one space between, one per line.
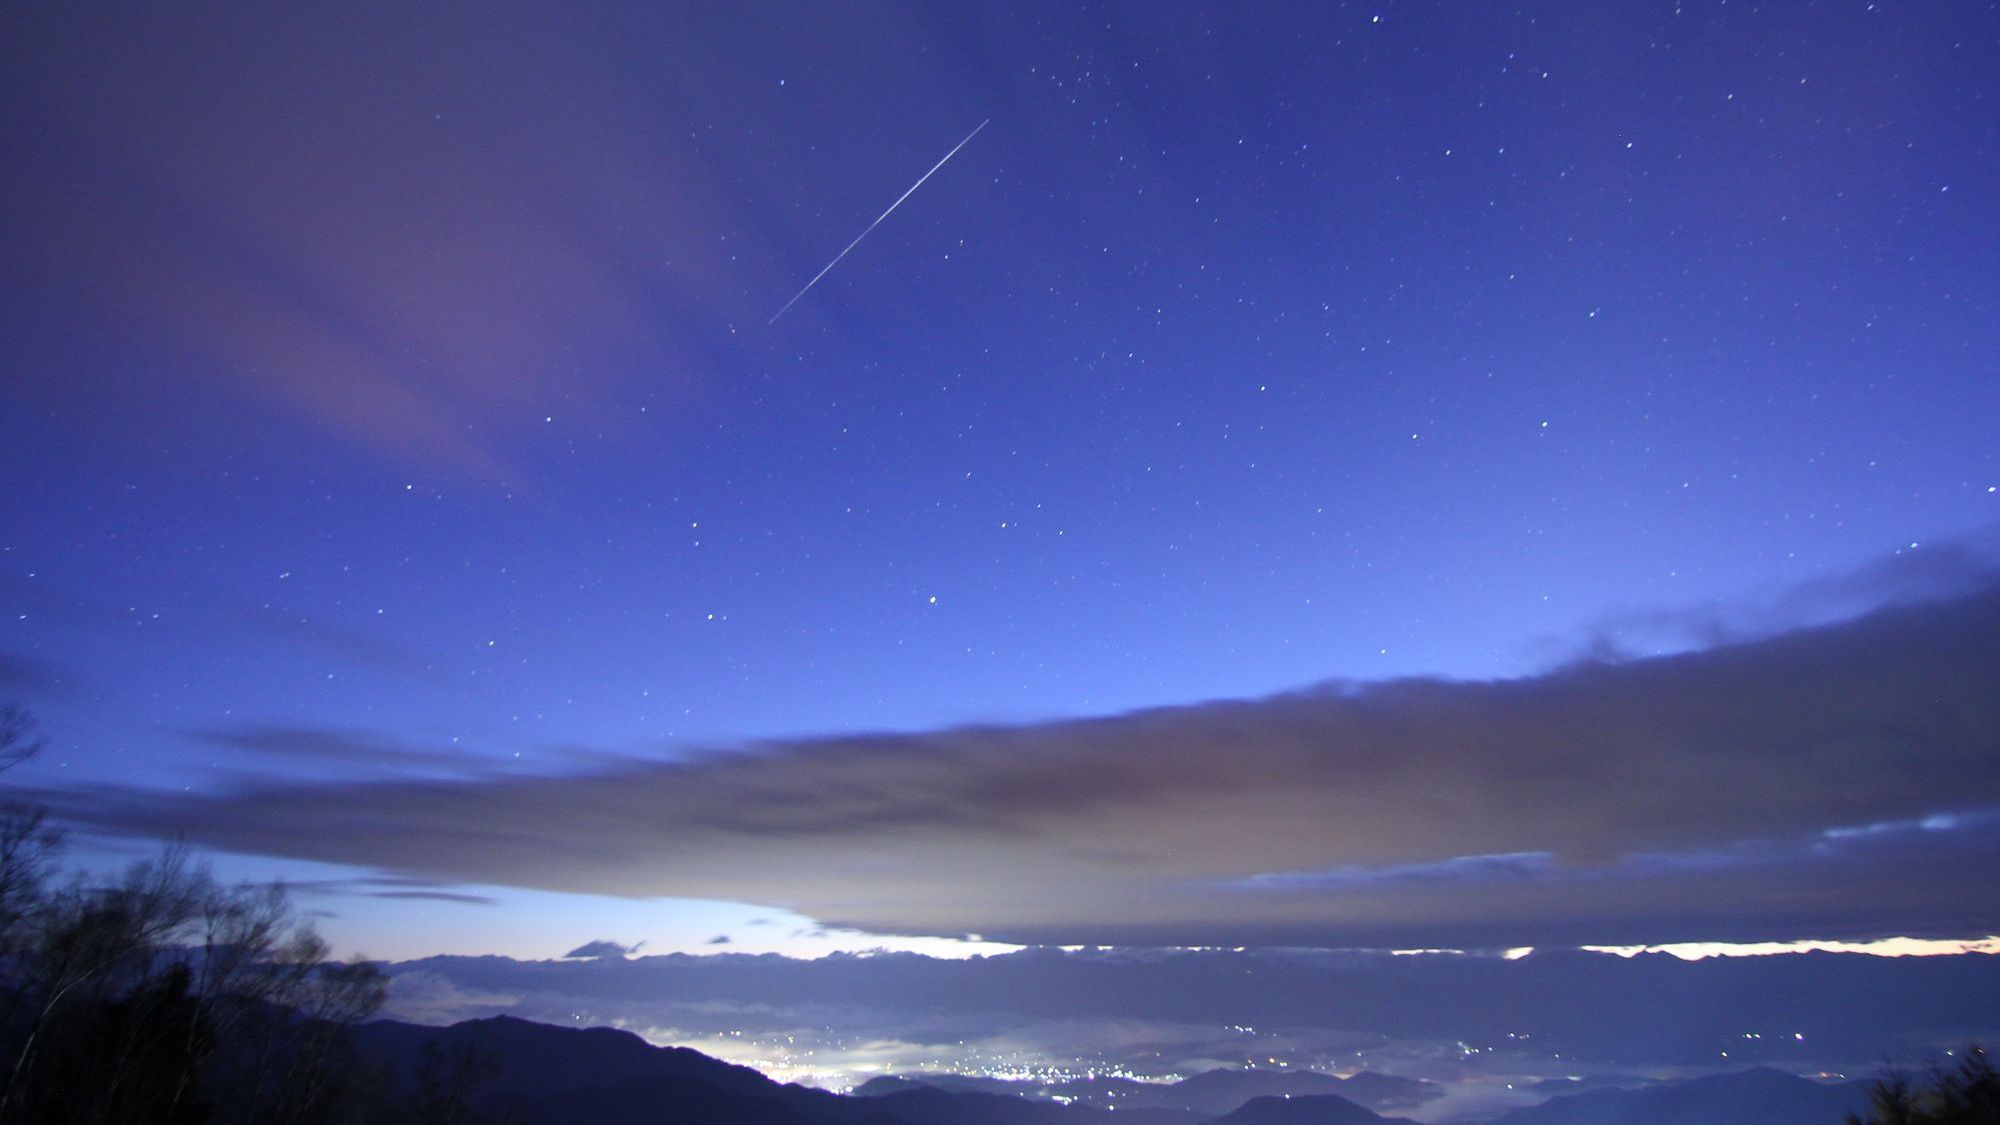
1833 781
1164 1013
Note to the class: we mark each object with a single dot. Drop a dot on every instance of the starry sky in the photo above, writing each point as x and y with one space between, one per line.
1377 474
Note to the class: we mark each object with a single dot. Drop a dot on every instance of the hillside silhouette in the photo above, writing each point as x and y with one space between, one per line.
536 1074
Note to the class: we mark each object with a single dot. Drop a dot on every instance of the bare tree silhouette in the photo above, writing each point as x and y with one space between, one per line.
161 995
1963 1092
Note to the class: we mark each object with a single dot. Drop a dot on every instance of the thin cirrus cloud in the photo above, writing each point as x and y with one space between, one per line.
1939 570
389 887
360 647
28 675
462 898
362 246
1835 781
277 747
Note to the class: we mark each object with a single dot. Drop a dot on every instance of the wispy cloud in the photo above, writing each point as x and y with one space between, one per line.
358 646
1700 796
392 305
391 887
28 675
274 748
1458 869
439 896
1920 572
1952 832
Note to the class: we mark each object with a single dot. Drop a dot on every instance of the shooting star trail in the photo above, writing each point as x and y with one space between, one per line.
876 223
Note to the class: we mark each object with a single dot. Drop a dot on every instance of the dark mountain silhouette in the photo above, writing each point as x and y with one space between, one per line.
662 1102
1760 1096
1220 1091
884 1085
1316 1109
927 1105
544 1075
1162 1116
1384 1092
513 1070
538 1057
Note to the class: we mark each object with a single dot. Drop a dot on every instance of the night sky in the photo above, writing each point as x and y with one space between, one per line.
1314 475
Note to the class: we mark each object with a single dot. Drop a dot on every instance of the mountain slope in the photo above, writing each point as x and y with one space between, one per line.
547 1075
1761 1096
1223 1090
1314 1109
537 1074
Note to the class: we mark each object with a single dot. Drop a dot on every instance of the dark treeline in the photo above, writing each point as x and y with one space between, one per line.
162 995
1965 1091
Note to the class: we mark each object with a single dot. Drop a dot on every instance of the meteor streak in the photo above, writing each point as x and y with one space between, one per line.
876 223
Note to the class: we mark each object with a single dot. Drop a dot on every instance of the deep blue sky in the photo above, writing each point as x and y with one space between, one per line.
390 393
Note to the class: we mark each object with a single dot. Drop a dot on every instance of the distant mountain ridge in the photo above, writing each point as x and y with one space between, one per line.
503 1069
1759 1096
538 1074
1312 1109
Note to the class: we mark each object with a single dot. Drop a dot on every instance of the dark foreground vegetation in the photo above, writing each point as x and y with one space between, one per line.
1963 1092
159 994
